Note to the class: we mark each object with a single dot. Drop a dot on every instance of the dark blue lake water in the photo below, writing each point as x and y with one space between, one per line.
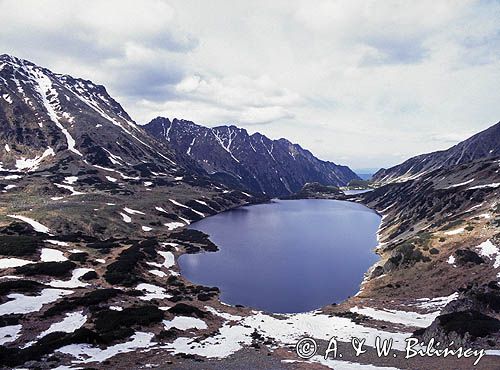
286 256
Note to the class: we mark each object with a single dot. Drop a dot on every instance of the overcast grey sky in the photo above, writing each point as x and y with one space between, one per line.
362 83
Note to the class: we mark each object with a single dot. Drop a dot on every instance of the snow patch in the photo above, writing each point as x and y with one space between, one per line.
8 187
57 242
37 226
12 177
7 98
451 260
455 232
435 303
152 292
20 303
31 164
125 217
70 180
285 329
52 255
173 225
85 353
70 188
184 323
158 273
169 259
10 333
72 322
184 206
229 340
133 211
488 249
6 263
406 318
74 282
460 184
46 91
492 185
224 315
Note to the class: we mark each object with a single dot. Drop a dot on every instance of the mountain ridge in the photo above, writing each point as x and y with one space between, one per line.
251 162
484 144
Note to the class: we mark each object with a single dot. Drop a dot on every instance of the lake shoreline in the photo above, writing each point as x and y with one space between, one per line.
368 299
324 217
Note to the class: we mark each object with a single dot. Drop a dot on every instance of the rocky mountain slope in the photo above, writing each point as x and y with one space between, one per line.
92 211
61 137
485 144
251 162
440 236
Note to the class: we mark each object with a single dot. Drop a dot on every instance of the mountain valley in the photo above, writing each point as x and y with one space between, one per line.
95 212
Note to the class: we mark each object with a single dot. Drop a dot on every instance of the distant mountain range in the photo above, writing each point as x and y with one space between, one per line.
66 127
485 144
49 115
251 162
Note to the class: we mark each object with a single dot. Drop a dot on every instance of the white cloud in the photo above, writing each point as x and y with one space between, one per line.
366 82
133 48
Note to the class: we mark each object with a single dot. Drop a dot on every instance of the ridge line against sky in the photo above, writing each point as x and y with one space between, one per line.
362 83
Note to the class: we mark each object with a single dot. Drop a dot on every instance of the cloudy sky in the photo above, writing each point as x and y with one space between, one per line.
363 83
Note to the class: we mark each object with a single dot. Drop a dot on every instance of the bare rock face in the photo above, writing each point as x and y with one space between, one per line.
470 320
253 163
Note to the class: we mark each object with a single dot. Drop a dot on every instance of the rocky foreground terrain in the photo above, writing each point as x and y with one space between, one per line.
93 218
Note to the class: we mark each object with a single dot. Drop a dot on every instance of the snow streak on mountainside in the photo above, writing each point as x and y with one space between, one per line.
252 162
485 144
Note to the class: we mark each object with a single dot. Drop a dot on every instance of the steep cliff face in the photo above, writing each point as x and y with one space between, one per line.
485 144
251 162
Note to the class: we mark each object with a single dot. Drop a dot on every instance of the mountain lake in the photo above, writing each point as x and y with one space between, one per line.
287 255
